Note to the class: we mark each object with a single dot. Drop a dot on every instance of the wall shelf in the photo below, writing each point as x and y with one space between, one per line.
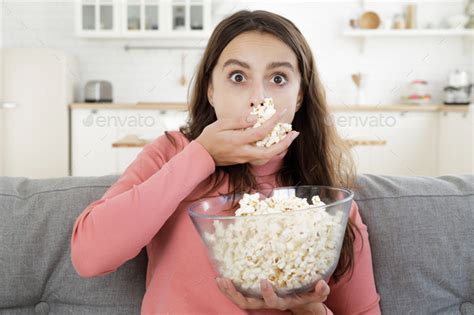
361 34
408 32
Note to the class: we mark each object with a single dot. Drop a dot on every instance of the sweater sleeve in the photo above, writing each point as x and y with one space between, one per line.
114 229
356 294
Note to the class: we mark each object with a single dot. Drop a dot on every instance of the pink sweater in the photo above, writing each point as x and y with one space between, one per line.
147 206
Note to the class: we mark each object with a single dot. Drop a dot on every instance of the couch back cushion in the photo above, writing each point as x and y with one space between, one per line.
36 274
421 231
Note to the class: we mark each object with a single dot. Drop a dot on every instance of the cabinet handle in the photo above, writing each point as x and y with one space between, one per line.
8 105
356 142
130 141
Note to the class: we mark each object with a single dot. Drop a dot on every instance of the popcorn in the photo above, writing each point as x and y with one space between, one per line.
292 249
263 113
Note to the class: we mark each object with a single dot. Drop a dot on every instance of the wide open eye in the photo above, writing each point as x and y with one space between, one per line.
279 79
237 77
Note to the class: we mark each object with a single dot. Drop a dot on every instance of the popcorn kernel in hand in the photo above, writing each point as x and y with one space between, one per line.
264 112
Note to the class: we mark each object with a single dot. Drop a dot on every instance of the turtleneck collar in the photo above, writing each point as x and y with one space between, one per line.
269 168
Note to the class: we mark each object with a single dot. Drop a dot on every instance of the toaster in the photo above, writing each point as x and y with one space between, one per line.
98 91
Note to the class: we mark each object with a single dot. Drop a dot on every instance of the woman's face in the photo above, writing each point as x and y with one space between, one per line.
251 67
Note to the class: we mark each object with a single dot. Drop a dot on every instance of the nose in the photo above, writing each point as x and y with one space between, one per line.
258 95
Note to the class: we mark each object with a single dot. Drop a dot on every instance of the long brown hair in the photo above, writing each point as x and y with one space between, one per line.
318 156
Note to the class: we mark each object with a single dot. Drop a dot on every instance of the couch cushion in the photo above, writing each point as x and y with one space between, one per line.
36 274
421 234
420 231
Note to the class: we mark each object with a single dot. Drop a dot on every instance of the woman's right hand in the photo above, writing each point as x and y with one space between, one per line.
229 141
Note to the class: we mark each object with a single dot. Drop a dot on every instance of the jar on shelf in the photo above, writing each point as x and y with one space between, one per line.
399 21
417 93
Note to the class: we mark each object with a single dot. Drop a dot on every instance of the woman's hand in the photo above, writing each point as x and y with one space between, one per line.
229 142
307 303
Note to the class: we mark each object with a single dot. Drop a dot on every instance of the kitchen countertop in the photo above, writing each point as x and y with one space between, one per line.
401 108
133 141
336 108
159 106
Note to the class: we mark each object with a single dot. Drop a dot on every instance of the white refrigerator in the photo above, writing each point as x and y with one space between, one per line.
36 87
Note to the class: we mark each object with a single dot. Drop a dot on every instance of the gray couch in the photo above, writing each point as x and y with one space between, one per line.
421 232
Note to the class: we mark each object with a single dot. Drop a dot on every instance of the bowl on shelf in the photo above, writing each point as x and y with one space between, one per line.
292 249
369 20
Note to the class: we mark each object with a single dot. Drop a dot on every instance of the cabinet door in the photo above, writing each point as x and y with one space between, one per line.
189 17
412 144
364 126
92 134
143 17
456 149
174 119
97 17
144 124
411 141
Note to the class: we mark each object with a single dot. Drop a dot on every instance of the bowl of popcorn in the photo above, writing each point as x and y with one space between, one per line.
291 236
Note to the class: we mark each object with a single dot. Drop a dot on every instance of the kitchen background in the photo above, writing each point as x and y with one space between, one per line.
388 68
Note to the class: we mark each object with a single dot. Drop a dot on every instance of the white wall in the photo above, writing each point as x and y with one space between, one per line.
153 75
2 132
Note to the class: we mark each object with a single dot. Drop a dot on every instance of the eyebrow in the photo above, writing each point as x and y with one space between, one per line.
272 65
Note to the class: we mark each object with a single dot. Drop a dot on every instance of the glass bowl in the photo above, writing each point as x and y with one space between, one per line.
293 250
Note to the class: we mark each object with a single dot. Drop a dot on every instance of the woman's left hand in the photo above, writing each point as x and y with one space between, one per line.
296 302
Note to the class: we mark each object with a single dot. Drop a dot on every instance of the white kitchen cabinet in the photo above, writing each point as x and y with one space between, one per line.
166 18
97 17
144 18
411 141
94 131
456 147
426 143
91 152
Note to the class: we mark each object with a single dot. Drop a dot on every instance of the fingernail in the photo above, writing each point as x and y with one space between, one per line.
263 284
325 287
283 112
221 282
252 119
296 134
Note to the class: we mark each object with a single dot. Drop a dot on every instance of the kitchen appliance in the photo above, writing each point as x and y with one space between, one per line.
37 85
98 92
458 90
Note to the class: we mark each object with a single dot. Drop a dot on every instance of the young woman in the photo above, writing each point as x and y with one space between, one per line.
250 56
